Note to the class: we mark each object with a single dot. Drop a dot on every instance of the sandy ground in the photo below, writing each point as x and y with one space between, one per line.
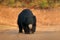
11 33
48 24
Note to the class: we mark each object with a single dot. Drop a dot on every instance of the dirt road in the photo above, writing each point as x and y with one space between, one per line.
11 33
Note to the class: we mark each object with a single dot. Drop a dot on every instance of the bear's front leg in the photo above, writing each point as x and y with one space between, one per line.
20 29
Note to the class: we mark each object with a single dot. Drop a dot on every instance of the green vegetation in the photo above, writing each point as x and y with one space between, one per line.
43 4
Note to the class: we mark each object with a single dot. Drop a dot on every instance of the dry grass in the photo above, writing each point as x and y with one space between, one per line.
46 19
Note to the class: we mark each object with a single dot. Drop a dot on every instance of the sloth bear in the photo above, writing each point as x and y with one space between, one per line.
26 21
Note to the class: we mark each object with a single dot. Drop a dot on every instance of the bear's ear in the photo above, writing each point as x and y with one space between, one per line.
30 26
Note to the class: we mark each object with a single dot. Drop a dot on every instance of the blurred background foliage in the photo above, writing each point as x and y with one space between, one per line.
43 4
